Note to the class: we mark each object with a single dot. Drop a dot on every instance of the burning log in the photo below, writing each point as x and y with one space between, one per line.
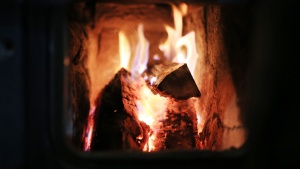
175 80
116 124
179 129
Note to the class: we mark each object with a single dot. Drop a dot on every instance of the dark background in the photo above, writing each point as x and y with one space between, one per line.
30 67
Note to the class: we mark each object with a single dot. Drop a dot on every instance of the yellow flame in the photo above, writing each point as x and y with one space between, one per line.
141 57
191 55
150 106
168 47
172 47
124 50
183 8
177 14
151 109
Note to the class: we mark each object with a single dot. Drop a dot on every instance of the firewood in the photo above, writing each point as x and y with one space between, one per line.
175 80
116 124
179 129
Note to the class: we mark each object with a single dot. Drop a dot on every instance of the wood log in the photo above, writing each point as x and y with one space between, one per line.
116 124
175 80
179 128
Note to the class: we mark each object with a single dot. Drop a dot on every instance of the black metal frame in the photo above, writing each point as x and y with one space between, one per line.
32 85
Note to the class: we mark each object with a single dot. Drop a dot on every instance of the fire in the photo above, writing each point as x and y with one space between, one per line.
151 110
141 54
151 107
174 44
89 129
124 50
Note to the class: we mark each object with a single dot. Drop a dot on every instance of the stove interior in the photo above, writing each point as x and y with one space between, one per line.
157 76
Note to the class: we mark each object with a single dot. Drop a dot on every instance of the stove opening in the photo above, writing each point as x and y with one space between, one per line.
154 77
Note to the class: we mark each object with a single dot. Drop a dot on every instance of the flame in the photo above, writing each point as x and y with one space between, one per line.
124 50
89 130
183 8
173 46
151 107
169 46
141 54
191 55
151 110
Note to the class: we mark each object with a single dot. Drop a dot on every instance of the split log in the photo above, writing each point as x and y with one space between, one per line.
179 128
118 128
175 80
116 124
182 121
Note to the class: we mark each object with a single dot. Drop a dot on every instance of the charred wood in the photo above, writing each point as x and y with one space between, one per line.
116 124
180 126
175 80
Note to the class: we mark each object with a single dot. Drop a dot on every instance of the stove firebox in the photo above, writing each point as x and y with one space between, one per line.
158 76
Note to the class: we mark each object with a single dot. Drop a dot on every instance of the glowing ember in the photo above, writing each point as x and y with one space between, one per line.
151 109
89 129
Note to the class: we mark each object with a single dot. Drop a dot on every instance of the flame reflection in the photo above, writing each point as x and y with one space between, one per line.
89 129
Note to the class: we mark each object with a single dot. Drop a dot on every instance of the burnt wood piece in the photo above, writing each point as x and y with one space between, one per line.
180 126
116 124
175 80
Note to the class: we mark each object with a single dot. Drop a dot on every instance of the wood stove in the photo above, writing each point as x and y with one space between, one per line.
158 75
88 69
